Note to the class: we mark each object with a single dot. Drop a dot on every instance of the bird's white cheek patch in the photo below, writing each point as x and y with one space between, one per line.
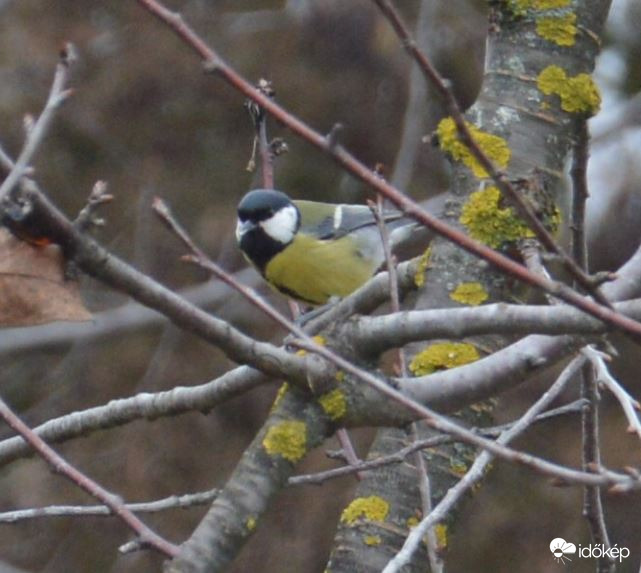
281 226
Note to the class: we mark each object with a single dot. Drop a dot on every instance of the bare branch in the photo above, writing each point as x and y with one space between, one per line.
61 466
629 404
126 317
142 406
35 135
185 501
87 217
590 447
377 333
401 455
580 194
478 469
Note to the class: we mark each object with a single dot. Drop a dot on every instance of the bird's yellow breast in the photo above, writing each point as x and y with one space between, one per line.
314 271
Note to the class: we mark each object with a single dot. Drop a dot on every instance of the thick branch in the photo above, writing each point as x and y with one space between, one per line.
378 333
294 426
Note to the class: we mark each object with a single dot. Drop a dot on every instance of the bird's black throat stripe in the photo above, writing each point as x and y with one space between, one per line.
260 247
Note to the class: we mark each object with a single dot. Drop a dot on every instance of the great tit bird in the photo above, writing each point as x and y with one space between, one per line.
313 251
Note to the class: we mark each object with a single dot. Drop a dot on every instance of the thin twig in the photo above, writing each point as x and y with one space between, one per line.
390 263
477 470
259 119
629 404
591 459
57 95
267 161
348 451
395 458
87 217
590 447
61 466
5 161
214 63
424 485
530 250
579 175
172 502
401 455
425 490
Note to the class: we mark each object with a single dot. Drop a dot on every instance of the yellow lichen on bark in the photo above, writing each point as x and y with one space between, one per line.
287 439
488 222
558 29
334 404
578 94
494 147
471 294
372 508
441 356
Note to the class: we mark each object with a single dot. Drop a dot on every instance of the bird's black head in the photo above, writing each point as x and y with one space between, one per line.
261 204
267 223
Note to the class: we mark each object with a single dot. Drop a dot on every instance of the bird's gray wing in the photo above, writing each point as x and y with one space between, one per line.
345 219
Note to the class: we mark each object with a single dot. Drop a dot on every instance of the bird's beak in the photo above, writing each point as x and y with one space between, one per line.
243 227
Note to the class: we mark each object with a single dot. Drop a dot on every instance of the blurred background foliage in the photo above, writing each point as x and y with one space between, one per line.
145 118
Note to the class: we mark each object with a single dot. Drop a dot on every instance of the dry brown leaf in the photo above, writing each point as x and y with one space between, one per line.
33 288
